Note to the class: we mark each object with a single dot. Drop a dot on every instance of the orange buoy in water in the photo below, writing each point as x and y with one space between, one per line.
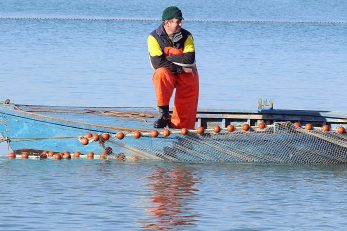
88 135
154 133
120 156
76 155
57 156
341 130
297 124
134 158
67 155
166 132
230 128
12 155
137 134
84 141
200 130
325 128
184 131
43 156
245 127
108 150
261 125
24 155
120 135
50 154
90 155
103 156
309 127
217 129
96 137
105 136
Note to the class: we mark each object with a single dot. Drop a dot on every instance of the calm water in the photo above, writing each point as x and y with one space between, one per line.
105 195
105 63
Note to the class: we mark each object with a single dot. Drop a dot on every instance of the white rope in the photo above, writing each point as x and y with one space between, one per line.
187 20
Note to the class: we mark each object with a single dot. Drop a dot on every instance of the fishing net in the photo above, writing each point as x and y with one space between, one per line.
61 129
281 142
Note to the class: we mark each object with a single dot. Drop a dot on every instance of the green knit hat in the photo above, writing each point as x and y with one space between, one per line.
172 12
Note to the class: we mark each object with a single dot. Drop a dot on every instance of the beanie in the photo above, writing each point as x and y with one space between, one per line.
172 12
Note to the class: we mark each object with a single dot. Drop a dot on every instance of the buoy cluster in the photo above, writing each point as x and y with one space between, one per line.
324 128
75 155
200 130
102 138
88 138
59 155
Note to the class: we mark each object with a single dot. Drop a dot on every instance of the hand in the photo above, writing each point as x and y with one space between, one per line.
187 70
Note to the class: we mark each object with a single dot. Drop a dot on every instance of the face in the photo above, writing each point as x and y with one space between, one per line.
173 25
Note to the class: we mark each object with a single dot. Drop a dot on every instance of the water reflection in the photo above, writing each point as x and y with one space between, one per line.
171 203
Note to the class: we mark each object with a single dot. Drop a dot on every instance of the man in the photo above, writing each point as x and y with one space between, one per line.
172 53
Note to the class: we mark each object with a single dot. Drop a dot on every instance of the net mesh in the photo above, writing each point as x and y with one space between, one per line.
281 142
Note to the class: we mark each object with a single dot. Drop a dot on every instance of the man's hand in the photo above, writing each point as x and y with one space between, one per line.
187 70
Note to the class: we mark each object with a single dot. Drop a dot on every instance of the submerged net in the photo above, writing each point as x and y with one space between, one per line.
281 142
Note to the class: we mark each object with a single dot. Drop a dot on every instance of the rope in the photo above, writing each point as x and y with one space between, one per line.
187 20
41 138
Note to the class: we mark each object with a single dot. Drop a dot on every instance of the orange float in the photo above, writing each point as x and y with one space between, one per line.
90 155
261 125
84 141
297 124
121 156
166 132
67 155
325 128
245 127
200 130
120 135
88 135
108 150
24 155
309 127
217 129
341 130
230 128
57 156
137 134
76 155
103 156
43 156
134 158
96 137
105 136
12 155
154 133
184 131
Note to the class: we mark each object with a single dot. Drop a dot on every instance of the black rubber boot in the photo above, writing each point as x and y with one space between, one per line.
164 117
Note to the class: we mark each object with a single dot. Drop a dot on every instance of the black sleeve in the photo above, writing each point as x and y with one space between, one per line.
186 58
161 61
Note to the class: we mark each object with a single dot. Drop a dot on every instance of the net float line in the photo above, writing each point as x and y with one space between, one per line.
105 136
218 129
85 156
121 19
67 156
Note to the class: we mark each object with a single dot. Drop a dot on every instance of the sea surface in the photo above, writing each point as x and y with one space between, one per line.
93 53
